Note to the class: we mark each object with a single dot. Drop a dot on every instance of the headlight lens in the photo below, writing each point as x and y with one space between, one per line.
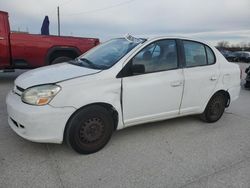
40 95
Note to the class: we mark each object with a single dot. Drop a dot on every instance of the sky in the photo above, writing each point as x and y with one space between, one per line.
208 20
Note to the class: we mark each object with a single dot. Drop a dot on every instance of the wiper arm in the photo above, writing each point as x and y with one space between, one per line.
89 63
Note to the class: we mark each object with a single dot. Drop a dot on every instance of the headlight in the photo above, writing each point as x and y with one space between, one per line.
40 95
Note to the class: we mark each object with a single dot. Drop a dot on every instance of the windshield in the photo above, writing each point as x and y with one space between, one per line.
107 54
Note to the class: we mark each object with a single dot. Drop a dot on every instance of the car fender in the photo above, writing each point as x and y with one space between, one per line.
228 81
95 89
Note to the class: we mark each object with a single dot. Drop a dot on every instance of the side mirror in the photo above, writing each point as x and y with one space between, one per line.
138 69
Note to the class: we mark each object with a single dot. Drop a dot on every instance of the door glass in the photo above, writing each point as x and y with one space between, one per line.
194 53
210 56
158 56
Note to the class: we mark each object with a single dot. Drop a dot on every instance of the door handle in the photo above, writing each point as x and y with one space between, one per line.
1 38
176 84
213 78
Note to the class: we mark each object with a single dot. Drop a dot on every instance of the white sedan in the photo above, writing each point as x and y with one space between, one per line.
120 83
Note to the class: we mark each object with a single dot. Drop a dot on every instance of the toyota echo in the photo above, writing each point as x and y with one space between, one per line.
121 83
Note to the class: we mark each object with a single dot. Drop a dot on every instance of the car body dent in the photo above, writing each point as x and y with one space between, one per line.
78 90
108 90
105 89
52 74
228 81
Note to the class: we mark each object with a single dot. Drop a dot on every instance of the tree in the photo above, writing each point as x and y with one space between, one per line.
223 44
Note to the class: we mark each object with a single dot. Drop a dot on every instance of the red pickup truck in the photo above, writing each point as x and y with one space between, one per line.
26 51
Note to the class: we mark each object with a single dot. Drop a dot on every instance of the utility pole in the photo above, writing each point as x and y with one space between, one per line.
58 21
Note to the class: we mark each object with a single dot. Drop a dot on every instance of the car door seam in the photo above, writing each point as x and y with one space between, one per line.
183 86
121 102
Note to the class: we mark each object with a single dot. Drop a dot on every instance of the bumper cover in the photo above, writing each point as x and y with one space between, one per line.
43 124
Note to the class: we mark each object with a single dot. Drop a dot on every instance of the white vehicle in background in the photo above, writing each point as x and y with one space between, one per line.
120 83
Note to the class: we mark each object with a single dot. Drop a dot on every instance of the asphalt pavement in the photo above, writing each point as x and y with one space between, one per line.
182 152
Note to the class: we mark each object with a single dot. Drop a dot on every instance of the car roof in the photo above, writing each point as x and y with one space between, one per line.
181 38
149 39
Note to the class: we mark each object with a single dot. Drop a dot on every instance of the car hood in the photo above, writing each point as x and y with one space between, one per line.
52 74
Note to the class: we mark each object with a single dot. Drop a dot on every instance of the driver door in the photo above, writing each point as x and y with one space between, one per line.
156 93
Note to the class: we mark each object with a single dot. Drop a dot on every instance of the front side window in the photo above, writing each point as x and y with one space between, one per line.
158 56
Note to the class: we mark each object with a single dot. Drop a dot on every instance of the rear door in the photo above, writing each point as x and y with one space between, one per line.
4 41
201 74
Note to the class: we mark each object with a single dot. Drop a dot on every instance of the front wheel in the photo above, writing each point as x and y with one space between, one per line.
215 108
90 129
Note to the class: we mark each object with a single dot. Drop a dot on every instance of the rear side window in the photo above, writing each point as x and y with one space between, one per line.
197 54
210 56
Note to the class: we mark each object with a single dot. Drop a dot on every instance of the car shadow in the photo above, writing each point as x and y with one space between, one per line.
119 136
145 130
159 125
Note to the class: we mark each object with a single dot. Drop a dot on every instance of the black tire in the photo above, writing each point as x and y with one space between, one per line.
247 85
214 109
90 129
60 60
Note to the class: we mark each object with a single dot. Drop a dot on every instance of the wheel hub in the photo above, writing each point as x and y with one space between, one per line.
216 109
91 130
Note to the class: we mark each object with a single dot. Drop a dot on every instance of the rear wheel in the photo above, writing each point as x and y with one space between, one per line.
90 129
60 60
215 108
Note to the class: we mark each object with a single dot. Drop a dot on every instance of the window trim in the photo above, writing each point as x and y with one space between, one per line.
204 45
123 72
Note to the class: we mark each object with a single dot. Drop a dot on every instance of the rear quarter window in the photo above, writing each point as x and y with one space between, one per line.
210 56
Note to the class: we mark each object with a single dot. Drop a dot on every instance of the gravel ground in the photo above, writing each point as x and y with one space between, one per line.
183 152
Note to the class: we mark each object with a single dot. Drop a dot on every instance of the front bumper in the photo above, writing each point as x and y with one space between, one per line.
43 124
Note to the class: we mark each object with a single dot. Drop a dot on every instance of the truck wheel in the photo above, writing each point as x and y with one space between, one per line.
60 60
89 130
215 108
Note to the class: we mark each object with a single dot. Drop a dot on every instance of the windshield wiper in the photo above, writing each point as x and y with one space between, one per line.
92 65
